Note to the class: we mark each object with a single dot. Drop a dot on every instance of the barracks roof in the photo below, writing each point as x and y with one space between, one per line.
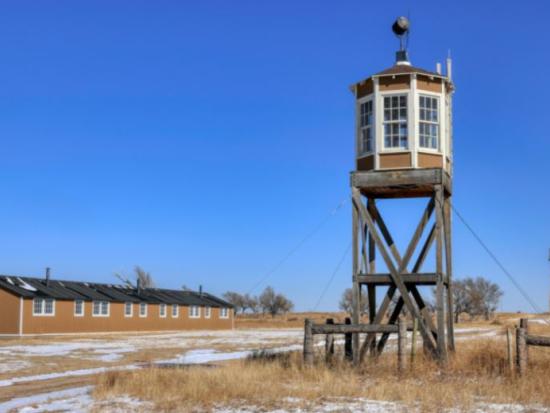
29 287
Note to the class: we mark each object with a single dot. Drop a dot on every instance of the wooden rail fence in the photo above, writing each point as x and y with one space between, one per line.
348 329
523 341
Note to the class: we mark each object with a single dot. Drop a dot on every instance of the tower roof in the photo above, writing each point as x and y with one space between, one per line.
401 69
406 69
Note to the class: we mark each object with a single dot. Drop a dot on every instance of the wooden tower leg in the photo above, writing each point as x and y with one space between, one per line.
371 288
440 288
449 271
356 289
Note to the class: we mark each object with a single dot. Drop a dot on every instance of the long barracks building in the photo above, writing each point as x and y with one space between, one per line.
43 306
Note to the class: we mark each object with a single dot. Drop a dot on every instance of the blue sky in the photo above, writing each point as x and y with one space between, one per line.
203 140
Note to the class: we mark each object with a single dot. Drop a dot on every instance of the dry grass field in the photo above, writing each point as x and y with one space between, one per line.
257 368
477 374
476 379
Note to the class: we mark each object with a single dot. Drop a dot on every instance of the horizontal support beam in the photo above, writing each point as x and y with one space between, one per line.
373 179
353 328
385 279
401 183
538 340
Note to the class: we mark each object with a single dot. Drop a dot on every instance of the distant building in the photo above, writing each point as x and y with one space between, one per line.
43 306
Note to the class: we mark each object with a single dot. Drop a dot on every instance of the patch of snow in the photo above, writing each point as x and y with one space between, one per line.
70 373
23 404
539 321
77 400
13 365
26 286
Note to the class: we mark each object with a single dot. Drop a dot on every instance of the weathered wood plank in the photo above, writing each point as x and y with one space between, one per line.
521 351
424 251
348 348
440 288
352 328
329 343
356 288
537 340
372 179
386 279
371 269
402 345
308 342
449 270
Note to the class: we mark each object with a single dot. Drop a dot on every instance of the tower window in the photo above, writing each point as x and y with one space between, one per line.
395 122
365 124
429 122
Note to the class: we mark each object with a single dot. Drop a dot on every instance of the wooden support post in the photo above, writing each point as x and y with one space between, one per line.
329 343
356 288
371 289
440 289
308 342
413 340
402 345
449 270
524 323
348 350
521 351
509 348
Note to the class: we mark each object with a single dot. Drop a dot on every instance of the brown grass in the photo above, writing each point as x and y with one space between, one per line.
478 372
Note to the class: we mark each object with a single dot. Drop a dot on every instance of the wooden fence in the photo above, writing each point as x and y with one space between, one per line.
523 340
330 329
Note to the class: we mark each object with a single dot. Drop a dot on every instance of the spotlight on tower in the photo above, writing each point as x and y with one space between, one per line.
401 28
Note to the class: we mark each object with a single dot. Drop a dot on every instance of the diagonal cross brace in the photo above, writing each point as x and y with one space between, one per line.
403 263
395 275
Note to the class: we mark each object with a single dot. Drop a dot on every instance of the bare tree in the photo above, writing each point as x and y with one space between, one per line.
250 302
236 299
461 299
346 302
484 296
145 279
273 303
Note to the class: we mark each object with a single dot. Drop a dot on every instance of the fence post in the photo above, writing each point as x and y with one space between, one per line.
413 342
521 351
510 350
329 343
308 342
348 350
524 323
401 345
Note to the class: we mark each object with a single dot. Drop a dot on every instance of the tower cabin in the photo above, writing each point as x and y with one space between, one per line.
404 118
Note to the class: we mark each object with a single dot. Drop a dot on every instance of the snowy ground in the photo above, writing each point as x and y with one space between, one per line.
26 364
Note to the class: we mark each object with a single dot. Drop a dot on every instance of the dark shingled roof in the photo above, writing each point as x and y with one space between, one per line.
28 287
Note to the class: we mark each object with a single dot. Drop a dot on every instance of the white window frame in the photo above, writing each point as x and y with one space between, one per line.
207 312
224 312
392 149
192 312
143 305
177 313
436 96
131 309
361 128
162 310
101 303
42 312
81 314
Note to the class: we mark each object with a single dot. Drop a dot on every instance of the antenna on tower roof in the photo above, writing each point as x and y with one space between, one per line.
401 28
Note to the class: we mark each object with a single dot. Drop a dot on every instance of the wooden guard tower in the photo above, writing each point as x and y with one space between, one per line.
403 150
